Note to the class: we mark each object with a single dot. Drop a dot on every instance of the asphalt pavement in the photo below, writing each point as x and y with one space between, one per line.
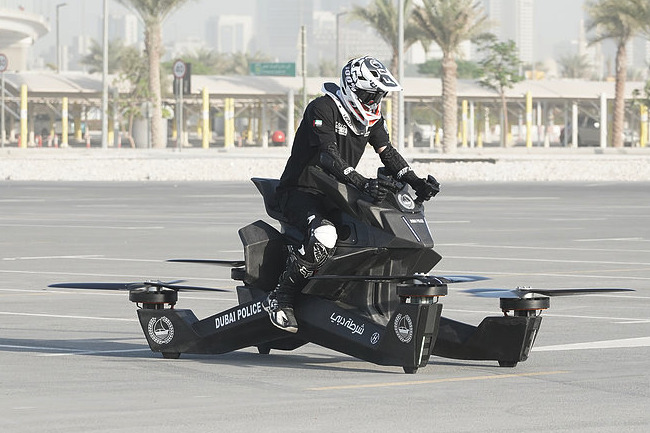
77 361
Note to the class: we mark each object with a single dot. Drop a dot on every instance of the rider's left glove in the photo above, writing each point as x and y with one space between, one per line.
424 188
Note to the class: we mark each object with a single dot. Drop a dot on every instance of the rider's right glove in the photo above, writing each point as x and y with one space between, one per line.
375 188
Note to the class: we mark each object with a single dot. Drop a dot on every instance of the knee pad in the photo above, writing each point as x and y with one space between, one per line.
319 244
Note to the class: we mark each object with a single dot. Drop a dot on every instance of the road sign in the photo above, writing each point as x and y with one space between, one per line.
276 69
179 69
185 82
4 62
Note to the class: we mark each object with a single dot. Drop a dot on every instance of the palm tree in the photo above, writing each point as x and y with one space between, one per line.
575 66
204 62
116 53
383 16
153 13
448 23
619 20
239 63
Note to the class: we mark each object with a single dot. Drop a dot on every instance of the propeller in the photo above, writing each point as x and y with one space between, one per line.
529 292
230 263
134 286
428 280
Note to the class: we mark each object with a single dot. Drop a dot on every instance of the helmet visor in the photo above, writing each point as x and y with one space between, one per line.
370 98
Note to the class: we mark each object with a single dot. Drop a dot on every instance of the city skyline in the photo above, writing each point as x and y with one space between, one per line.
541 32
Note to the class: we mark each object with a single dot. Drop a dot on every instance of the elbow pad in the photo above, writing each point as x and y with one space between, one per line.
332 162
395 163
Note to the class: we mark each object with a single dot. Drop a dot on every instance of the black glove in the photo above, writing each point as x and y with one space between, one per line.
377 189
425 188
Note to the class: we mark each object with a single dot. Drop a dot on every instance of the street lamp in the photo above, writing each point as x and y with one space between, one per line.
58 46
400 72
338 36
105 78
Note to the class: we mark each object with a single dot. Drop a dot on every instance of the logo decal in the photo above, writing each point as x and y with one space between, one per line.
406 200
341 129
403 327
348 323
238 314
161 330
375 338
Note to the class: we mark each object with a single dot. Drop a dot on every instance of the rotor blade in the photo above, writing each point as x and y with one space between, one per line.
494 293
99 286
230 263
571 291
522 292
191 288
426 279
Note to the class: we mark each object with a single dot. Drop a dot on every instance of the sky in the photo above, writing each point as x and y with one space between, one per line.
556 21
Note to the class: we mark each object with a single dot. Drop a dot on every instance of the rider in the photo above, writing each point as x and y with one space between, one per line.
333 134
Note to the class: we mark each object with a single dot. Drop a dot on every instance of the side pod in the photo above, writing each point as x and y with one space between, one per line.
505 339
406 340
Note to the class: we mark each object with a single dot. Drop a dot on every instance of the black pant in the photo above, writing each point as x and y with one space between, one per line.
297 206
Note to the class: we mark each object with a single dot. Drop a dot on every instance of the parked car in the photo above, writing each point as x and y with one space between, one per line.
422 132
589 133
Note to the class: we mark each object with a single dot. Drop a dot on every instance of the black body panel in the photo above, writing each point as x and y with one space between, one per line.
361 318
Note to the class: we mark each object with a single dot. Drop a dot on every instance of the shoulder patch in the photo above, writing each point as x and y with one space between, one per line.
318 123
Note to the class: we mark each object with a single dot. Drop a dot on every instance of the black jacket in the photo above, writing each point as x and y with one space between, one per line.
322 125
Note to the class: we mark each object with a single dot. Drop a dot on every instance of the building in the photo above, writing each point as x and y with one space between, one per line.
230 34
18 32
520 29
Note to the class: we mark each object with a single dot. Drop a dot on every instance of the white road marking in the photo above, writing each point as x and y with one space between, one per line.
68 351
604 344
95 292
577 219
610 239
619 320
62 316
520 247
60 226
96 352
87 256
137 277
524 259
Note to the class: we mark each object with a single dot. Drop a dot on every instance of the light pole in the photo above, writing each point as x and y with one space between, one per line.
58 45
105 78
400 78
338 37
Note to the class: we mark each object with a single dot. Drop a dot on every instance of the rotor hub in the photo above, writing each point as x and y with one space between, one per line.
529 306
418 293
154 299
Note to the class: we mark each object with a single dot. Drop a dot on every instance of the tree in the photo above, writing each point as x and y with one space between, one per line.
239 63
133 74
574 66
116 53
448 23
204 62
465 69
619 20
153 13
500 72
383 16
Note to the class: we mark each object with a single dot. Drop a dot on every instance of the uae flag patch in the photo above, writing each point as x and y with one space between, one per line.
318 123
